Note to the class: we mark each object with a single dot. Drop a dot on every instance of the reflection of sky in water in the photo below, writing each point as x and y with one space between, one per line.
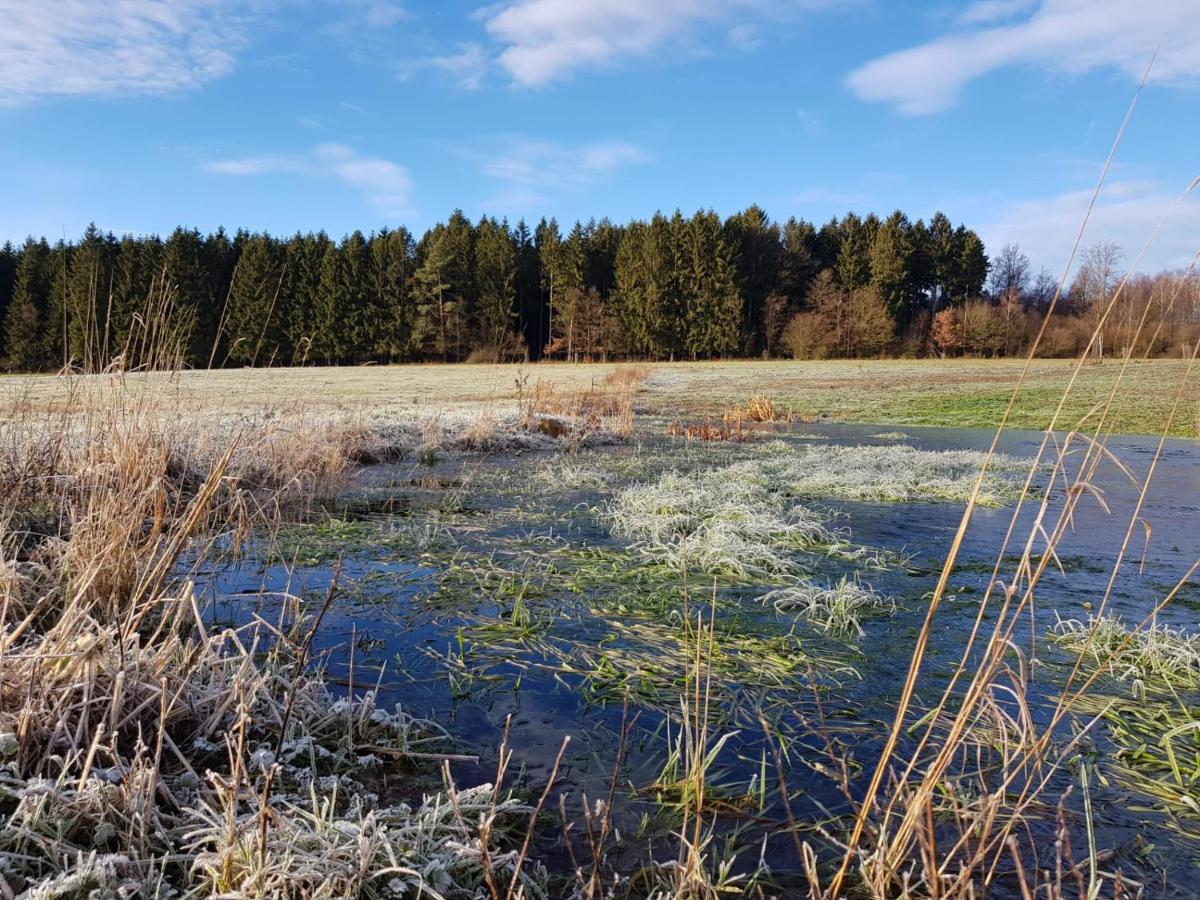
385 614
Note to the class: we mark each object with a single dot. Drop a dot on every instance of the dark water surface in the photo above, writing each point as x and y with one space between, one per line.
474 590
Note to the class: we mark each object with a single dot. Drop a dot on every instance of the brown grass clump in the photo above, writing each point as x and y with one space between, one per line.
761 408
629 374
578 413
142 752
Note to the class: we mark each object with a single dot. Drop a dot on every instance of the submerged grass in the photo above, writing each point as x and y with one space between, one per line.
885 474
721 525
837 608
1153 657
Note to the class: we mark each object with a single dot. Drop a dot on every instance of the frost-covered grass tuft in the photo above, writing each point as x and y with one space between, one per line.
735 526
1157 656
319 849
885 474
836 608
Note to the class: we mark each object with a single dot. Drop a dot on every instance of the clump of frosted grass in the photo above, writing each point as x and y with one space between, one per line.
884 474
1156 656
720 521
835 608
316 849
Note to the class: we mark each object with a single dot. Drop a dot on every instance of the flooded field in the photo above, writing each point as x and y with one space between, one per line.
748 610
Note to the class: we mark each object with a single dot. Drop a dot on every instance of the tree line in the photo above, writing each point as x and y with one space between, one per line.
670 287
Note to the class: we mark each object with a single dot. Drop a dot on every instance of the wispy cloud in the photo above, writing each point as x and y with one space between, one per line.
1127 213
1071 36
531 174
385 185
467 66
89 48
546 40
984 12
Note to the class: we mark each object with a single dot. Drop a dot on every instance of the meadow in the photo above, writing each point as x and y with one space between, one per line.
960 393
600 631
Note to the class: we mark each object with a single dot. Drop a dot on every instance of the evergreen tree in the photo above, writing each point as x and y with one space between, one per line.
135 292
356 318
306 262
184 278
24 319
563 264
218 259
88 293
944 256
57 319
798 264
496 279
889 258
714 309
8 278
972 269
638 291
529 292
852 267
255 331
394 258
601 240
757 252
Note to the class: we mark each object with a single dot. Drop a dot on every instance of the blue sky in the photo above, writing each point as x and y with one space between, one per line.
281 115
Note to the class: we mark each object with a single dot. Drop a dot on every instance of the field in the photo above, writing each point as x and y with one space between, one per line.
599 631
949 393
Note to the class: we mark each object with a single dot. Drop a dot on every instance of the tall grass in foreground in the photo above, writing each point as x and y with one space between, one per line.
145 753
959 815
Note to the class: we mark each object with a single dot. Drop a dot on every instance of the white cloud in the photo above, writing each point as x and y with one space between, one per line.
93 48
533 166
545 40
531 174
467 67
385 185
983 12
1127 212
1070 36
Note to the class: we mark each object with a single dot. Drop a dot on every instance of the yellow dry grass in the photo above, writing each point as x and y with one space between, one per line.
963 393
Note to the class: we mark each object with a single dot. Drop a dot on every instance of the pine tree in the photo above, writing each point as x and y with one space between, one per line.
853 268
8 277
328 328
637 293
714 308
254 328
136 289
972 269
798 264
757 252
302 287
57 320
528 287
394 258
24 319
89 299
496 279
185 279
356 321
889 262
563 266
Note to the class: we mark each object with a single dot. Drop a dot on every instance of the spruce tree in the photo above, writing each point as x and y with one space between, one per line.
708 281
496 279
393 255
757 250
255 331
8 277
24 319
889 256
